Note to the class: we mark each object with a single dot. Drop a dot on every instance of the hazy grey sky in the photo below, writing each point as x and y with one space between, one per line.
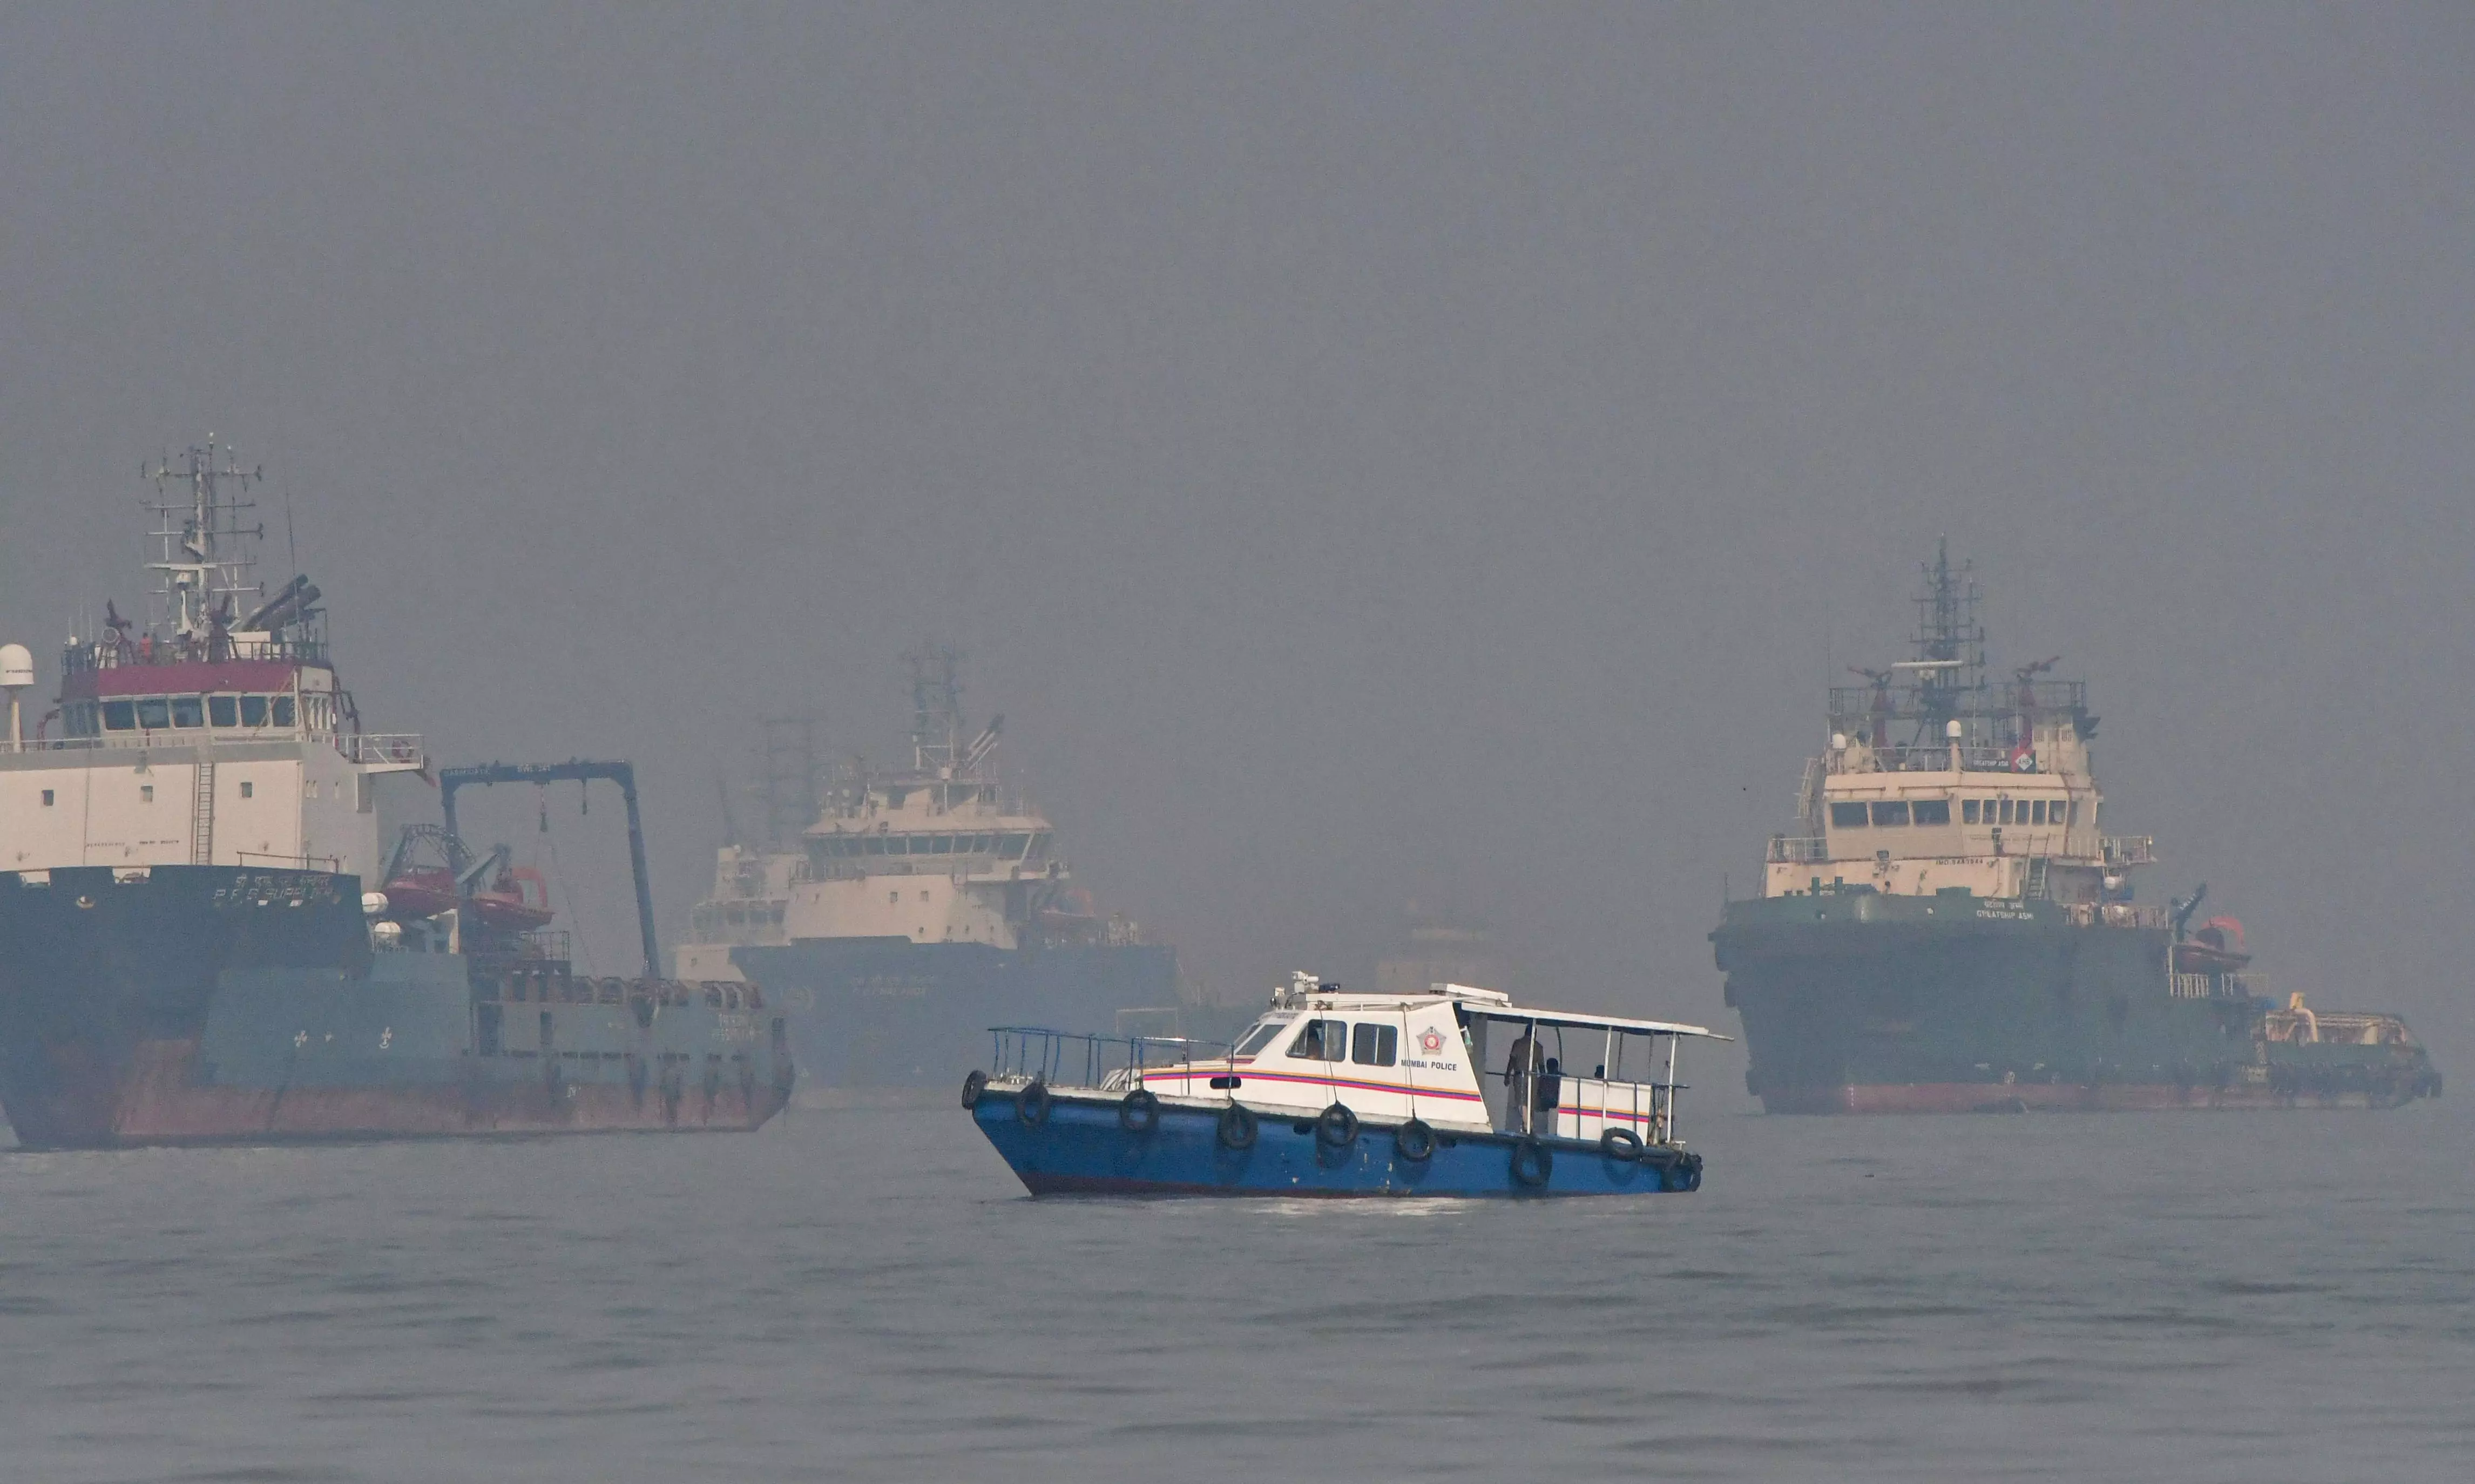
1367 452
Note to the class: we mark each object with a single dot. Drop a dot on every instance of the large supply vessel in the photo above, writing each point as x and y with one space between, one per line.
1951 929
897 912
188 954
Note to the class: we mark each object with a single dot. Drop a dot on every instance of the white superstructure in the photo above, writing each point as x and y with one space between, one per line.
935 853
201 739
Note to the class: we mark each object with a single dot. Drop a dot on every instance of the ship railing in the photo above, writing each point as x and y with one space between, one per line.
2217 986
1077 1058
99 654
1931 758
1799 848
2116 914
376 747
2130 849
304 863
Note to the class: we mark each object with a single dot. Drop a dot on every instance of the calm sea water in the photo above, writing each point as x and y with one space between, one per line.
868 1296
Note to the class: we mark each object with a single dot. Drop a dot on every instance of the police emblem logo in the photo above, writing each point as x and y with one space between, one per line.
1431 1041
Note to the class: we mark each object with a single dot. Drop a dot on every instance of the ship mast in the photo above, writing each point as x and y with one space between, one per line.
1949 644
935 708
204 562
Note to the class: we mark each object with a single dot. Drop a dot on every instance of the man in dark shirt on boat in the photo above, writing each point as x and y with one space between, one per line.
1521 1072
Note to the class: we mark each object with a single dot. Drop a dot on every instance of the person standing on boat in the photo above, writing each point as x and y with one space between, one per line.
1521 1072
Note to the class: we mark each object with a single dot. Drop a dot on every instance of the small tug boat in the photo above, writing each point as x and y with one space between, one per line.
1334 1094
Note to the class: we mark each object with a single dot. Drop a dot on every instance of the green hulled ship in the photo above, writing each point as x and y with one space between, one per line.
1951 929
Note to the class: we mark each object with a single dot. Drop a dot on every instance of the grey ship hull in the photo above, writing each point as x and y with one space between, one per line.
887 1012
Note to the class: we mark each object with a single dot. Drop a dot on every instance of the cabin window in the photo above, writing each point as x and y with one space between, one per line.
2037 811
1260 1037
945 844
224 709
873 845
1933 811
982 844
146 794
1891 812
189 710
154 713
1321 1040
252 711
1373 1045
247 789
120 715
2006 812
1014 845
1967 811
1846 816
282 710
47 798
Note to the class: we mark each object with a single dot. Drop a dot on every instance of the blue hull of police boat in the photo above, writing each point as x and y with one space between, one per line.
1081 1147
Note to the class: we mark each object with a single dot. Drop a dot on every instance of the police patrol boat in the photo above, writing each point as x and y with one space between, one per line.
1337 1094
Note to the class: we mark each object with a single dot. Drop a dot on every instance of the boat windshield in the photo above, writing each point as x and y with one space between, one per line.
1261 1037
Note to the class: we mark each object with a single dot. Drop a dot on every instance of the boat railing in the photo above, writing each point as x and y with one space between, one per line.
1585 1107
1077 1058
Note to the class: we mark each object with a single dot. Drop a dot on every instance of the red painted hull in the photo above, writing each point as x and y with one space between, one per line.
2049 1098
156 1100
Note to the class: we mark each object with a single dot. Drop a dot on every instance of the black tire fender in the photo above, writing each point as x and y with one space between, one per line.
1414 1141
1236 1127
1031 1103
1337 1126
1532 1162
973 1086
1621 1144
1139 1112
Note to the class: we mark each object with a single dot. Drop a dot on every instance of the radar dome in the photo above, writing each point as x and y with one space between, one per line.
17 667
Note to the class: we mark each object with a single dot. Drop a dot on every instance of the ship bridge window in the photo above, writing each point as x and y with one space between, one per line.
1321 1040
1933 811
224 709
154 713
2037 811
120 715
282 710
2006 812
1891 812
982 844
1967 811
1373 1045
1014 845
252 711
1258 1038
943 845
189 710
1846 816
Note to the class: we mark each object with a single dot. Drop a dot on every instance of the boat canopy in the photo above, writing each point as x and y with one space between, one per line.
1566 1018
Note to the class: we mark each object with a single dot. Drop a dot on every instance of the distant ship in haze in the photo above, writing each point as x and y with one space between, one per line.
901 913
1951 929
187 950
